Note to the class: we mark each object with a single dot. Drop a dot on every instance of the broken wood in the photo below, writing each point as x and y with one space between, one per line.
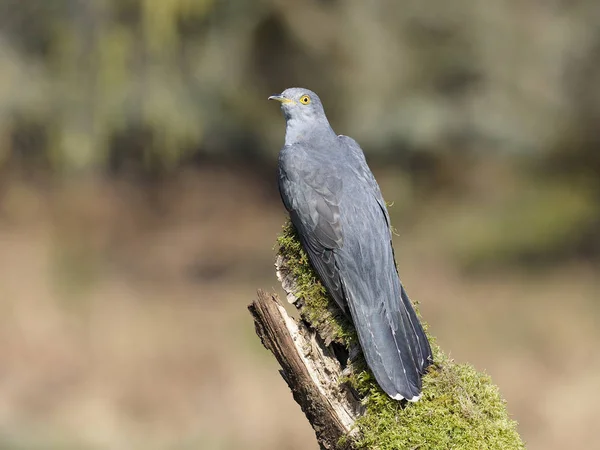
310 369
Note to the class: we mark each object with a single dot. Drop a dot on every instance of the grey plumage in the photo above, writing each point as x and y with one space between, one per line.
340 215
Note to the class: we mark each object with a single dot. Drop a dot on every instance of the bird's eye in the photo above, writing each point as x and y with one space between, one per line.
305 99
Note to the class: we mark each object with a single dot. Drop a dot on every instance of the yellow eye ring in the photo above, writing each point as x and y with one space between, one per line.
305 99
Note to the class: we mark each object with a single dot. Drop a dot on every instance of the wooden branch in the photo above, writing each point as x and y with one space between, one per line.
310 369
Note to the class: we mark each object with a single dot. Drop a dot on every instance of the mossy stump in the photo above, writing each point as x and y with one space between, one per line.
321 362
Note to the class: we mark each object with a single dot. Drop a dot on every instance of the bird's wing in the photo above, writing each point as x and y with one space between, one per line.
360 166
389 320
353 256
393 344
309 193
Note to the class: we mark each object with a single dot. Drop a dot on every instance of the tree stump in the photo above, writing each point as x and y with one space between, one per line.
322 364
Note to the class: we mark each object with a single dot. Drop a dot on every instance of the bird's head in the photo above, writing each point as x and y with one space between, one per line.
301 104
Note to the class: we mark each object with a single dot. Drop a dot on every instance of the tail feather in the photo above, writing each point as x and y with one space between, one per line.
424 354
389 344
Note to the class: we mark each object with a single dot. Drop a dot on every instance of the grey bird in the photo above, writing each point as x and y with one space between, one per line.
337 208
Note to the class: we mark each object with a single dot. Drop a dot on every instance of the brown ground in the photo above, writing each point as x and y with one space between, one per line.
124 322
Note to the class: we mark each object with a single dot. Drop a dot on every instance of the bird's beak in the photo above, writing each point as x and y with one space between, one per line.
281 98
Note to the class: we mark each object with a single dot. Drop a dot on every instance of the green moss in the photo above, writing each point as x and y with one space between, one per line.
319 309
460 409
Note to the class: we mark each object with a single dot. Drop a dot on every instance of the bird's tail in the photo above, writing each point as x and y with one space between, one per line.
393 343
424 354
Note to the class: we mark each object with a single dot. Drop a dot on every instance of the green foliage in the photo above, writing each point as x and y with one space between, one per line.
87 71
115 80
146 85
460 409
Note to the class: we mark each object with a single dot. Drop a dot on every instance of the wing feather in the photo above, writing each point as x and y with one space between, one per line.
310 196
346 233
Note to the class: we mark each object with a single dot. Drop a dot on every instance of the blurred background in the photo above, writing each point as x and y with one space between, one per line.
139 206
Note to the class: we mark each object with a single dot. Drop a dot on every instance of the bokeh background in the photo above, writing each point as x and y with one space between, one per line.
139 207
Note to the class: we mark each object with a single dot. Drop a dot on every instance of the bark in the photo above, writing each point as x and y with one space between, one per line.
310 368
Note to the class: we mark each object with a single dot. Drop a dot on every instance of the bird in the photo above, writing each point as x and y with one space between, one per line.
341 218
